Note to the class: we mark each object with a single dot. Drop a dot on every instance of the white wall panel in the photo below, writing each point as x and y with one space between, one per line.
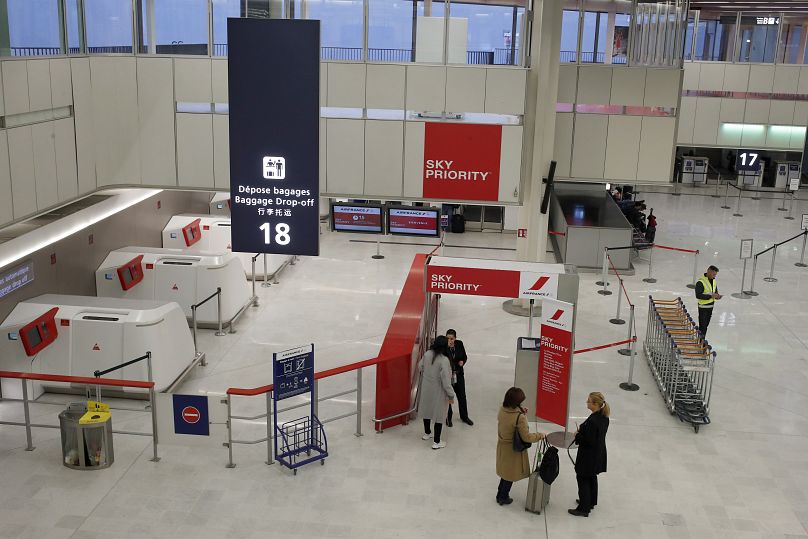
761 78
44 164
414 134
690 79
687 120
346 85
757 111
730 137
662 87
562 150
711 76
705 126
628 86
426 88
589 146
621 147
115 120
384 158
221 151
2 104
65 146
786 79
753 137
192 80
39 85
345 151
219 81
505 90
656 149
155 85
83 122
732 110
21 166
385 86
801 113
323 155
802 87
15 86
323 84
195 150
6 208
797 141
736 77
594 85
567 83
510 163
61 90
781 112
465 89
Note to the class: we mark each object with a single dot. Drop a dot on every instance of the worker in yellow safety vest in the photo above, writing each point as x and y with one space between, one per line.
706 294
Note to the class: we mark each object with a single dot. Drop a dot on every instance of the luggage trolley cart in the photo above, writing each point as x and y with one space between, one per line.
681 361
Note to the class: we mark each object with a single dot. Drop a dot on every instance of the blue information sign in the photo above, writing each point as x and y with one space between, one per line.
293 372
191 415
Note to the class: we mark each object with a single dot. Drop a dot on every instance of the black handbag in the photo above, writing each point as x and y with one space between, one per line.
519 444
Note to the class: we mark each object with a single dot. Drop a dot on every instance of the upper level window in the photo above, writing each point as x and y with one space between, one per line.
33 28
758 37
715 36
109 26
173 26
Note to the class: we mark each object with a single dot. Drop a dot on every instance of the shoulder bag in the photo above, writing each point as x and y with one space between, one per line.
519 445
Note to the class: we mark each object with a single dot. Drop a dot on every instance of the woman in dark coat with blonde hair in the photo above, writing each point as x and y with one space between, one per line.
591 440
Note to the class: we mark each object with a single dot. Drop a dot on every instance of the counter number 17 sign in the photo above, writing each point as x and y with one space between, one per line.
747 160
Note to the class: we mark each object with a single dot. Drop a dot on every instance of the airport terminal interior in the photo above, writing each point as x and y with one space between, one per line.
231 230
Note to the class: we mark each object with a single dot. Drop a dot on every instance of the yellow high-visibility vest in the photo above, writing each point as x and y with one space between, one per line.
709 288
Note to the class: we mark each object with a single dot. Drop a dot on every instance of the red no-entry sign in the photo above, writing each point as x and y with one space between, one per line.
191 415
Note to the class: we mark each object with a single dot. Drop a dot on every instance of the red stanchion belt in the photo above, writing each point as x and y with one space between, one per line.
602 346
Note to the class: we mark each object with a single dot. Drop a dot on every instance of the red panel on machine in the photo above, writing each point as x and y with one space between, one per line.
131 273
192 233
37 335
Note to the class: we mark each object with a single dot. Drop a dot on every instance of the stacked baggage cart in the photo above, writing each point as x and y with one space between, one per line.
681 361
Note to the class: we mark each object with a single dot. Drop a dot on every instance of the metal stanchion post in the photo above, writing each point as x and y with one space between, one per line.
738 206
254 295
229 443
266 283
717 187
726 196
801 263
604 280
790 215
29 444
378 255
219 333
783 205
630 385
742 294
193 327
629 350
316 397
676 192
153 403
771 278
530 319
358 403
617 320
650 279
695 269
270 445
751 291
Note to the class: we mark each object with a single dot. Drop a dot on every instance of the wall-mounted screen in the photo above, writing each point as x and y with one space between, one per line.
357 218
39 333
411 221
131 273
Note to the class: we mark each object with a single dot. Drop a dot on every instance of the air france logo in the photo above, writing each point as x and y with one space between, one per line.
557 314
274 168
538 285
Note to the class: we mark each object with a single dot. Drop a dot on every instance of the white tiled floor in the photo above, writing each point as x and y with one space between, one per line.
746 475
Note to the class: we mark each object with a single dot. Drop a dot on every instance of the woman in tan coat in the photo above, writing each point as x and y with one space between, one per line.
512 465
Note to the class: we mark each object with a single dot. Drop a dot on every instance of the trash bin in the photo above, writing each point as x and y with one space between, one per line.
86 436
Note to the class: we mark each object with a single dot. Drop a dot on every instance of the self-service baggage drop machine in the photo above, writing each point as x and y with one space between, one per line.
786 172
694 170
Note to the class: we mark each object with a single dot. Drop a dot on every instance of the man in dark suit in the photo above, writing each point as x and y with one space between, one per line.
458 358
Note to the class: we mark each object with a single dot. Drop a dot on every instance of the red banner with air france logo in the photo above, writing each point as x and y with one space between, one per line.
555 361
461 161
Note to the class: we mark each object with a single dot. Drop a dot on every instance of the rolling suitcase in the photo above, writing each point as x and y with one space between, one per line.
538 492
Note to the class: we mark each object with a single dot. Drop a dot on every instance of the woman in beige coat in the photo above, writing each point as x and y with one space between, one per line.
512 465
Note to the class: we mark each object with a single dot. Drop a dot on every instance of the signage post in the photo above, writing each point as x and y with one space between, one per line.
274 94
746 254
293 375
555 364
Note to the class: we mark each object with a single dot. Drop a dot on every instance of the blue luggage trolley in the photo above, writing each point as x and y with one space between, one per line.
301 440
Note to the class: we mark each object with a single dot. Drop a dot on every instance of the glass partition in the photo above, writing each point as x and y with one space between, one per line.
173 26
758 37
33 28
490 32
691 23
74 23
791 49
222 10
569 35
341 27
109 26
715 36
659 31
392 30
